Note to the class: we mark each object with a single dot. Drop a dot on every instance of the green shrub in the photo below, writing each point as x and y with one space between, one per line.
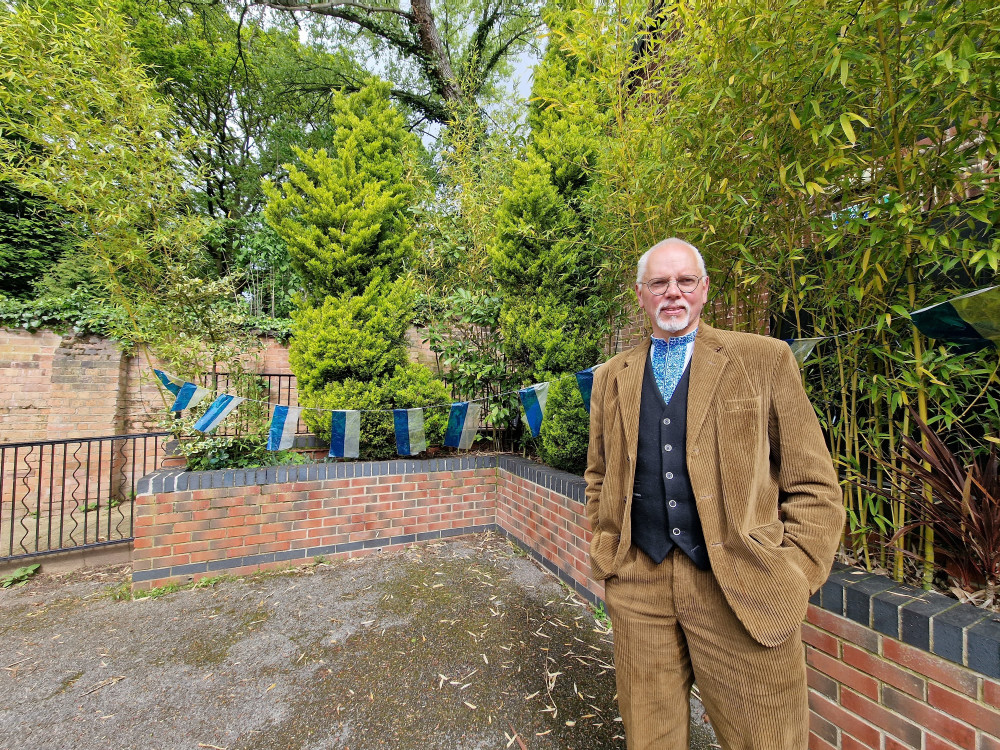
360 337
562 443
410 386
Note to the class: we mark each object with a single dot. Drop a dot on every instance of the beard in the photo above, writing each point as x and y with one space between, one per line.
675 323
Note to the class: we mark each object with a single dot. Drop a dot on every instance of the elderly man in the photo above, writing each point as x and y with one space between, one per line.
716 512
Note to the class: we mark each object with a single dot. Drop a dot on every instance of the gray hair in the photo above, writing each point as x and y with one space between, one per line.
641 267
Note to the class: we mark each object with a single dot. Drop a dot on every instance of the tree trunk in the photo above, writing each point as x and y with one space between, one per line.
435 52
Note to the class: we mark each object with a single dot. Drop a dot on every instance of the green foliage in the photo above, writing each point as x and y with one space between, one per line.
33 237
536 234
350 353
565 431
227 452
19 577
406 387
359 337
77 310
344 213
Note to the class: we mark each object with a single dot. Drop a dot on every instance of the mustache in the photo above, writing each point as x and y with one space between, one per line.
680 303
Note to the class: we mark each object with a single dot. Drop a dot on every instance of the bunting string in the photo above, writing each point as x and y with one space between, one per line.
970 321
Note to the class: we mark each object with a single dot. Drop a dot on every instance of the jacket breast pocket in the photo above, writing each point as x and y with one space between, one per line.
740 423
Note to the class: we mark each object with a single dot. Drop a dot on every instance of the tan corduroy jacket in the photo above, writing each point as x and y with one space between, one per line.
762 477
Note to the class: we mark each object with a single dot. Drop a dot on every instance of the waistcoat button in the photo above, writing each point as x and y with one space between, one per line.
676 532
672 503
668 448
666 420
669 475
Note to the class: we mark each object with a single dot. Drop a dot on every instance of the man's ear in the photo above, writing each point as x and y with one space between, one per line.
638 294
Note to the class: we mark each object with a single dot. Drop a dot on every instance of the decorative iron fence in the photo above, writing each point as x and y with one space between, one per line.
57 495
274 388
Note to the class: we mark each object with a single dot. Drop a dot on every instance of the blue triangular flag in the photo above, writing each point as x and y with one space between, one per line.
219 410
282 434
463 424
171 382
533 399
189 395
585 381
345 434
409 424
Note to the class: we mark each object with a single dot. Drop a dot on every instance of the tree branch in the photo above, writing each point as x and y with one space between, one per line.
324 7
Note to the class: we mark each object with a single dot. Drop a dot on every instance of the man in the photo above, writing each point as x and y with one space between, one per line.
715 511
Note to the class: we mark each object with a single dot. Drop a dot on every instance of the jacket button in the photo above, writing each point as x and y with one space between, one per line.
669 475
666 420
676 532
668 448
672 503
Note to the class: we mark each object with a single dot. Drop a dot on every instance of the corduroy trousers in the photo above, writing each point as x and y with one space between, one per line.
672 627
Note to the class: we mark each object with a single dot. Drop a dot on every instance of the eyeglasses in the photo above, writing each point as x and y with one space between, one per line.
685 284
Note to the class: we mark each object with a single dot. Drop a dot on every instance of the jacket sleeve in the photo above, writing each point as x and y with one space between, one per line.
808 489
594 474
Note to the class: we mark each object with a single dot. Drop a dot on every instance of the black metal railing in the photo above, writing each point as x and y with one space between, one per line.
274 388
58 495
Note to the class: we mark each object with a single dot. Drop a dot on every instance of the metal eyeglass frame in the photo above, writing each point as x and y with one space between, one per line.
681 289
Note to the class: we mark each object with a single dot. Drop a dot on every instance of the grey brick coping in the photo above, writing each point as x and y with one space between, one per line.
961 633
569 485
180 480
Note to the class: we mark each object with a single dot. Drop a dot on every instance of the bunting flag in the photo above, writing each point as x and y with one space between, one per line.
802 348
972 320
171 382
533 399
410 439
188 396
283 423
219 410
345 434
463 424
585 381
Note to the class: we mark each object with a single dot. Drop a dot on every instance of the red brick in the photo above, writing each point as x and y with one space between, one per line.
849 743
845 629
988 743
844 720
931 666
884 671
932 742
818 743
879 716
842 673
975 713
991 693
919 712
893 744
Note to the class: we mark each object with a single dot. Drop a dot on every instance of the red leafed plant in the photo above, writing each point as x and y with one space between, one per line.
964 509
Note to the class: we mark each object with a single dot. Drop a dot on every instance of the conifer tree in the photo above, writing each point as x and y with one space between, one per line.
346 216
345 211
555 308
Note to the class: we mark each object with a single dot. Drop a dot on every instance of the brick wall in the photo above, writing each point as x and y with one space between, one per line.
54 386
890 667
193 525
894 667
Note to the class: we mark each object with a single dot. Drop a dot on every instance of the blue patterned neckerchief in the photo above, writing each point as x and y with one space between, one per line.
668 359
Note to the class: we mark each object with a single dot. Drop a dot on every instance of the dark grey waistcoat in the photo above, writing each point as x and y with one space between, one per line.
664 513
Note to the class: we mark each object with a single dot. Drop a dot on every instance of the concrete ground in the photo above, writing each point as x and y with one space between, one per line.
458 645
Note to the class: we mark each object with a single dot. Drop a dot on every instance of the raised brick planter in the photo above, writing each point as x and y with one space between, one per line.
890 667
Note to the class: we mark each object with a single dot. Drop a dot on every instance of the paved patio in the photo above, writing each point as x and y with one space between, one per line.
457 645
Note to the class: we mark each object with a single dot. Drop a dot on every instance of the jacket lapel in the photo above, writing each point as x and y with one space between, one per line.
707 365
629 384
